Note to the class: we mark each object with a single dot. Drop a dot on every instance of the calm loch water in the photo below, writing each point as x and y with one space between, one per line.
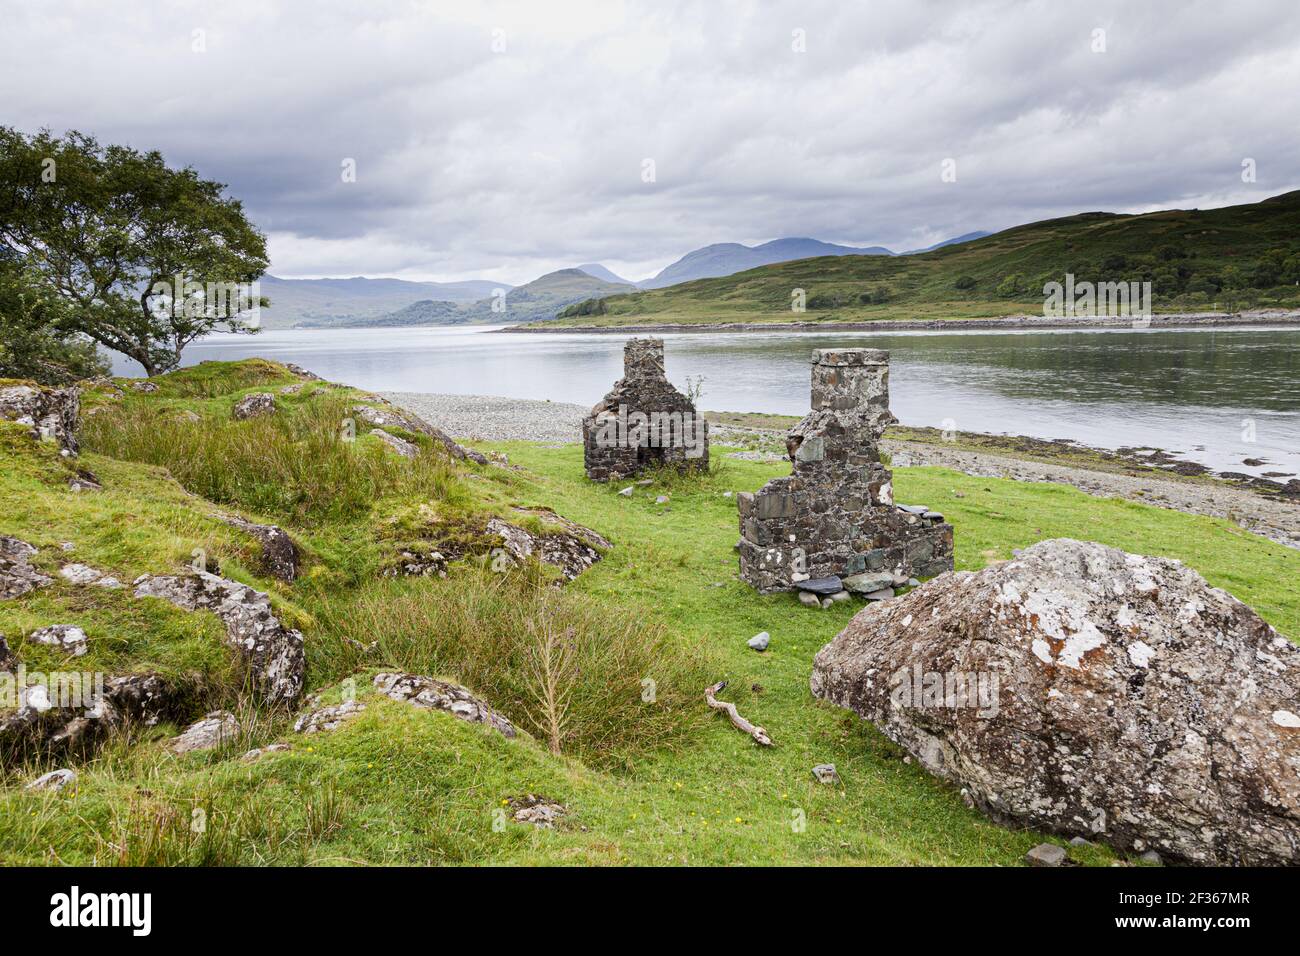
1200 392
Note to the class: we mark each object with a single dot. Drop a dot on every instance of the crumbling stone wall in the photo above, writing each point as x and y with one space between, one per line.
835 515
643 421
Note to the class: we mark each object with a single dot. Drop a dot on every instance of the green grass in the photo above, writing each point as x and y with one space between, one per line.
668 782
1197 260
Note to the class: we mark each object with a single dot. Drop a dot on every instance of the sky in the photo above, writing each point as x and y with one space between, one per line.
501 141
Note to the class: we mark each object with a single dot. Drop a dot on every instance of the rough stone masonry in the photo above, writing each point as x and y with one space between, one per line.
643 421
835 515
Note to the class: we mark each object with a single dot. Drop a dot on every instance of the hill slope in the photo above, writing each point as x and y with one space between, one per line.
1234 257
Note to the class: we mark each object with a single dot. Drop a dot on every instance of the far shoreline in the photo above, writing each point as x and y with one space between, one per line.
1170 320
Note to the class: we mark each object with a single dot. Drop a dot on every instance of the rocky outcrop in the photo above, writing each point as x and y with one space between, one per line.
279 553
563 544
331 717
643 422
835 514
61 719
54 780
431 694
389 416
272 653
254 405
17 576
210 732
84 574
403 448
50 413
1087 691
66 637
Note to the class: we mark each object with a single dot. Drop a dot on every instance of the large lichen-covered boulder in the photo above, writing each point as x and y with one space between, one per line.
50 413
272 652
1088 691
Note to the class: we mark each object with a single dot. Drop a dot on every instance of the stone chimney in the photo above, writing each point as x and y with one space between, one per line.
835 514
643 422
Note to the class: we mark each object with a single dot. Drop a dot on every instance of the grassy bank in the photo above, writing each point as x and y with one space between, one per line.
657 782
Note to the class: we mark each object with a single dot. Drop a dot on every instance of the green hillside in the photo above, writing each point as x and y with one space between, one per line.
1197 260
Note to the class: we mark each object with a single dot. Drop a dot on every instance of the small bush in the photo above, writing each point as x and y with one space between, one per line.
562 666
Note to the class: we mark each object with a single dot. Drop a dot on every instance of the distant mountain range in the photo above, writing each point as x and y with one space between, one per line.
540 299
361 303
325 302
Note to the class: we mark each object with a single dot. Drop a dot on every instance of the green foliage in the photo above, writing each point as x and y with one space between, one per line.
964 283
128 244
585 307
34 341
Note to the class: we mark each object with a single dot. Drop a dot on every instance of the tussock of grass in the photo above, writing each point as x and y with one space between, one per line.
571 672
293 464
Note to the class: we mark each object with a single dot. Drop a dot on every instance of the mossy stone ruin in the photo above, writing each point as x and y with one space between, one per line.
835 515
643 422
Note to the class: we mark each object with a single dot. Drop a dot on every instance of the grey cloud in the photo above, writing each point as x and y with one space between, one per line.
504 165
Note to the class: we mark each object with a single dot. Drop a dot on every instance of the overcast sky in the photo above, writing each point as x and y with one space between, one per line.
504 140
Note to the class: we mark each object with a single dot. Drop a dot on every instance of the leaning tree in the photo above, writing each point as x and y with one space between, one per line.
132 248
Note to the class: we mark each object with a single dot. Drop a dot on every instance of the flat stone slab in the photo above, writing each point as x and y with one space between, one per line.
831 585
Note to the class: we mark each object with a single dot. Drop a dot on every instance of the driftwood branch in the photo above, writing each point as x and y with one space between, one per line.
758 733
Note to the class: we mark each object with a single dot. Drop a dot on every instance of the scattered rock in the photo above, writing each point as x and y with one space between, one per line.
627 492
434 694
760 641
539 811
144 385
328 718
1046 854
661 500
869 581
302 372
54 780
84 481
255 405
50 413
884 594
291 389
189 417
414 564
840 596
279 552
1080 841
564 544
212 731
389 416
644 482
8 659
808 599
404 448
826 773
84 574
66 637
829 585
44 726
258 752
1122 696
1151 858
17 576
273 653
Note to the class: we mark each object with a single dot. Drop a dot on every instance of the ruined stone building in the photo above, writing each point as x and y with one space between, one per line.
643 421
835 515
